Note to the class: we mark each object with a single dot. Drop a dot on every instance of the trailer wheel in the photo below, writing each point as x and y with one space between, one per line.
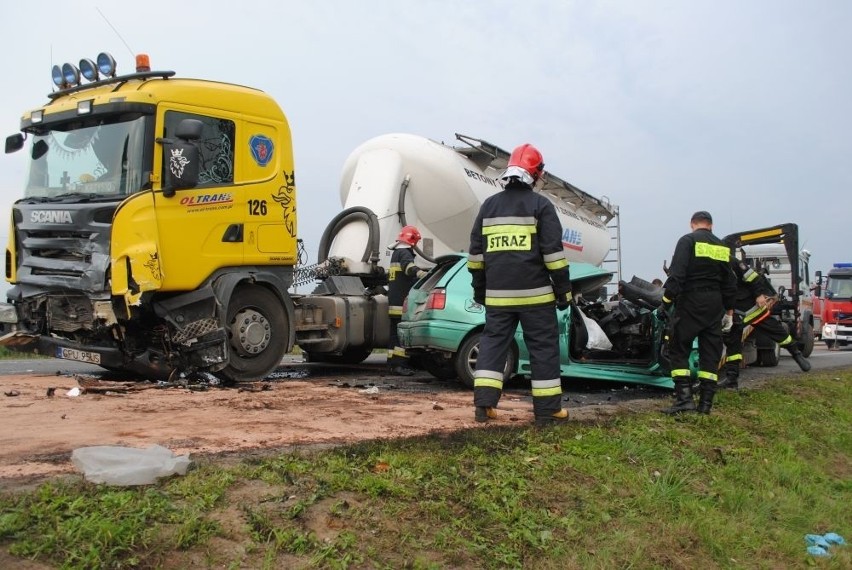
257 327
465 360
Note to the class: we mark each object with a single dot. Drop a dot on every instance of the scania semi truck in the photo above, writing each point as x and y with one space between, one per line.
157 230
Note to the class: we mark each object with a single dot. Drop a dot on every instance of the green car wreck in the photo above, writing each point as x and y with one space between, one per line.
620 341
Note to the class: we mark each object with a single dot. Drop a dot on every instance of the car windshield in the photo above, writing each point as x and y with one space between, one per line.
839 288
101 158
437 273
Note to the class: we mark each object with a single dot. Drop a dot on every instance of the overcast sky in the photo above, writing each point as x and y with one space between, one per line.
742 108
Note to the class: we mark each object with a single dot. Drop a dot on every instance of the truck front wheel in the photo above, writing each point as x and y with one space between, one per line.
257 329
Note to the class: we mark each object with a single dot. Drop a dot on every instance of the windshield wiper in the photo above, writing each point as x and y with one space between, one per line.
81 196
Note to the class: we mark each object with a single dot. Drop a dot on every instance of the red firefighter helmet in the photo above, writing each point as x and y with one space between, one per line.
525 163
409 235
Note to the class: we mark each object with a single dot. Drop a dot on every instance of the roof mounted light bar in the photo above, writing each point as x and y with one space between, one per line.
68 77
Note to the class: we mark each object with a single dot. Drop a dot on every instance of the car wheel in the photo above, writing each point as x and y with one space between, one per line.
465 360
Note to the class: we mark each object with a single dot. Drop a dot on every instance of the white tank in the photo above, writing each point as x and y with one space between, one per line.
443 188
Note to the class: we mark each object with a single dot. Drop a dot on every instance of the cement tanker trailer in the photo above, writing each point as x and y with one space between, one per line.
400 179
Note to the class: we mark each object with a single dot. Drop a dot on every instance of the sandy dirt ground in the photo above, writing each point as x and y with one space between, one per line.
42 421
300 405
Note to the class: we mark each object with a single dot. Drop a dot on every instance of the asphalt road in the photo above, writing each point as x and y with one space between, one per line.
373 372
820 359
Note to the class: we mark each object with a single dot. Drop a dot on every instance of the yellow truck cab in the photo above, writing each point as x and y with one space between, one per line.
157 230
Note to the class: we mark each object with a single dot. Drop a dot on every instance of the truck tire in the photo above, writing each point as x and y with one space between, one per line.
768 356
829 344
806 345
257 329
806 334
464 360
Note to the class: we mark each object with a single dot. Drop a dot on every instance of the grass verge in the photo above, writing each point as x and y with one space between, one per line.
739 488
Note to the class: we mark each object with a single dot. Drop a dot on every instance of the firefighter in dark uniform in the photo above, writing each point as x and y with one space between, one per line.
700 288
519 272
753 308
402 275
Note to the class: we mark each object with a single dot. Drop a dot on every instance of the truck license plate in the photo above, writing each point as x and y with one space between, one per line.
81 355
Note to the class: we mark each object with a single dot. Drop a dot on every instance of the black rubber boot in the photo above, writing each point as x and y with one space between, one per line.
554 418
731 381
799 358
483 414
705 400
683 398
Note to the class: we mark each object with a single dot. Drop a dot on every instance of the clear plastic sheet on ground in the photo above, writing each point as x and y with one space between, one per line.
117 465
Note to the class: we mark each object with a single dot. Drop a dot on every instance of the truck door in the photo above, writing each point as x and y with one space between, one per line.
265 160
200 229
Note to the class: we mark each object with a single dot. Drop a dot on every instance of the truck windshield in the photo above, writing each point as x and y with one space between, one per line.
839 288
101 158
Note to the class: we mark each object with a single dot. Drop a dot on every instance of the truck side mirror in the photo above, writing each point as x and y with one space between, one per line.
818 284
182 157
14 143
181 167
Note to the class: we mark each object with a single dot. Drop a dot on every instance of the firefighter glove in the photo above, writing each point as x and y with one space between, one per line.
663 311
479 297
727 323
562 301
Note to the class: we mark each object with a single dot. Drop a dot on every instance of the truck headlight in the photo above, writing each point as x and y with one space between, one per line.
829 331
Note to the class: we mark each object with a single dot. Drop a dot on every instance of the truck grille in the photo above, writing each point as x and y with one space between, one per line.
70 255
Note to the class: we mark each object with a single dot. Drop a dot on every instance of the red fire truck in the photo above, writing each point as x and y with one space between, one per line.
833 305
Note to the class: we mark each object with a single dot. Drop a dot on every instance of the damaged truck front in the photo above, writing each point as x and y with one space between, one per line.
157 231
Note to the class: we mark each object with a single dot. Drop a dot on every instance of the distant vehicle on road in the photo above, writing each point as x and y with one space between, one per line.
833 305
